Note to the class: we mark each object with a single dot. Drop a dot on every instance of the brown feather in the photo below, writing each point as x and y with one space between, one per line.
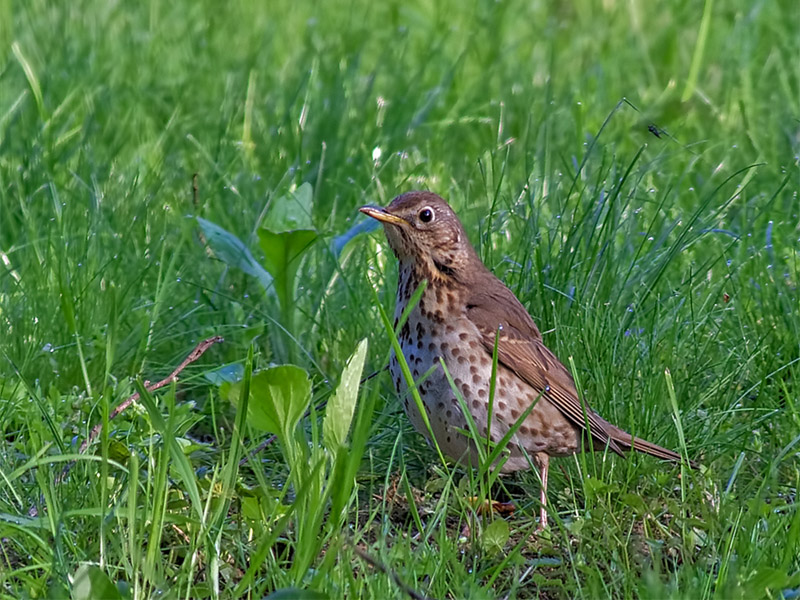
533 362
627 441
520 349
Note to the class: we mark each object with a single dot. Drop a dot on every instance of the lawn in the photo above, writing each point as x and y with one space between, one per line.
175 171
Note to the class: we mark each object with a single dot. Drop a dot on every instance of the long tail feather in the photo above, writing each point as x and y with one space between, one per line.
627 441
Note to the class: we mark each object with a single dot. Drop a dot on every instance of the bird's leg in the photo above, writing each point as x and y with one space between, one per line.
543 460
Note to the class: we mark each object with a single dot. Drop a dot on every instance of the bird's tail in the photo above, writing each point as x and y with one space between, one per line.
626 441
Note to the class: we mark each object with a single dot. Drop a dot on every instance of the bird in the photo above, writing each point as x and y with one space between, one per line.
463 314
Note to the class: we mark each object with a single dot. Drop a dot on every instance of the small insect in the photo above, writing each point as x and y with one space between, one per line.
654 130
725 297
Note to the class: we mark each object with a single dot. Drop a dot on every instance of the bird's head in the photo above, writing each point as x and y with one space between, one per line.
422 229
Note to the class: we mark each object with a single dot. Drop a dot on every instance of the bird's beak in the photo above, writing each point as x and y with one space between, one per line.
382 215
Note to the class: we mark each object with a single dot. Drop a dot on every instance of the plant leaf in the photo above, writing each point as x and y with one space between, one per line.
636 503
282 250
233 252
292 211
339 413
282 256
278 398
91 583
495 536
117 451
765 578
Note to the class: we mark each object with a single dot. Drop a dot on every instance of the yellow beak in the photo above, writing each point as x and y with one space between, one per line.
382 215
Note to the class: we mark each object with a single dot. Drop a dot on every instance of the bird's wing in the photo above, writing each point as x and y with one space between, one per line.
520 349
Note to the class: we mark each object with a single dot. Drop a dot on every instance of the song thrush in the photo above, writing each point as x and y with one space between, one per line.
463 309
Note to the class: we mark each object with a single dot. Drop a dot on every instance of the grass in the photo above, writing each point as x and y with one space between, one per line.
654 240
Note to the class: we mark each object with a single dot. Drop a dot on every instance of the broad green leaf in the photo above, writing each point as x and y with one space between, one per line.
232 251
283 254
282 251
284 238
118 452
251 508
341 406
495 536
188 446
230 391
278 398
636 503
292 211
766 578
91 583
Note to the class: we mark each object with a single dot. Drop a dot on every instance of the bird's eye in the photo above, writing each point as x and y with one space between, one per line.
426 215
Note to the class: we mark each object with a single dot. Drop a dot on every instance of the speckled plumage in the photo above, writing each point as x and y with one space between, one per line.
463 309
424 339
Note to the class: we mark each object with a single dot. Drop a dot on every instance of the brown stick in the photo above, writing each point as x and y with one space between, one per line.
193 356
252 454
198 351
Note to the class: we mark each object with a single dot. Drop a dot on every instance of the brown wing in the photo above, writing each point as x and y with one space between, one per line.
520 349
490 300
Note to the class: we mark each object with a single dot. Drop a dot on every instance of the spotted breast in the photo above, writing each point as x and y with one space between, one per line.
427 337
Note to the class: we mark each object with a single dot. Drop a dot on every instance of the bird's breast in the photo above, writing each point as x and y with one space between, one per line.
435 333
437 340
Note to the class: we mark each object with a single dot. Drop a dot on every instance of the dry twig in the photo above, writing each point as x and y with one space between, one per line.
198 351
